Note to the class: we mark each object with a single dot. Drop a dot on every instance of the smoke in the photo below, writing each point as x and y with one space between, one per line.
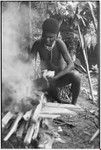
17 67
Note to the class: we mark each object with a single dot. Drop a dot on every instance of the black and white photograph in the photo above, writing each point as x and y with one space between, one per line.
50 74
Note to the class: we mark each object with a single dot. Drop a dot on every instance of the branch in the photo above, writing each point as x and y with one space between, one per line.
95 135
86 61
92 12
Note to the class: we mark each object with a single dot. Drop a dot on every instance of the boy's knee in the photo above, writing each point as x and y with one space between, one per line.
77 76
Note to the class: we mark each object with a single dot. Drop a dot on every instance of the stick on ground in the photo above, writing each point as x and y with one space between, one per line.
95 135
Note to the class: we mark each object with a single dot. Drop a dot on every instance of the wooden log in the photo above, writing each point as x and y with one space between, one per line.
71 107
14 127
9 124
7 118
48 116
27 115
21 129
27 125
29 134
38 109
36 124
36 130
36 113
52 110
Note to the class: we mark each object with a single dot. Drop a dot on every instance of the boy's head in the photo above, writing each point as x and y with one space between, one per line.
50 30
50 26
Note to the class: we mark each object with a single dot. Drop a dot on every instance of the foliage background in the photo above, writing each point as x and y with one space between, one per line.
66 11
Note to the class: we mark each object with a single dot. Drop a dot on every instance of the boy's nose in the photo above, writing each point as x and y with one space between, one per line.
48 39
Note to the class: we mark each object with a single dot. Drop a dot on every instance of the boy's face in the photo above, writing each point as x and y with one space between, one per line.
49 39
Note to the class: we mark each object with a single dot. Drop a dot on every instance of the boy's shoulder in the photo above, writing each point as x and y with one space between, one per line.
60 42
38 41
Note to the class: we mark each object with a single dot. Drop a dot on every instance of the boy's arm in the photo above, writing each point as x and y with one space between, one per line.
67 58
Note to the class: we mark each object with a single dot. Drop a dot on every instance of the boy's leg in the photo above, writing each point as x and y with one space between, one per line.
73 78
41 85
75 88
53 94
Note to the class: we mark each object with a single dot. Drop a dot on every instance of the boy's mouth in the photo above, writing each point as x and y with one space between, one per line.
50 44
48 47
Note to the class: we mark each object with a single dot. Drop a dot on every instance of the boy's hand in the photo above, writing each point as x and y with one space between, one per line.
49 77
48 74
51 82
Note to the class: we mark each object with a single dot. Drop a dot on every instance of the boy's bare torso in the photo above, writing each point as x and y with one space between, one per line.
50 60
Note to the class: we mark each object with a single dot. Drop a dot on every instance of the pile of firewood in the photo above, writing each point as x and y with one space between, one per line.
35 122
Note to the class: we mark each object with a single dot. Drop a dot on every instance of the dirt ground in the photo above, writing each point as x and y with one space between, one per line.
80 135
86 124
76 136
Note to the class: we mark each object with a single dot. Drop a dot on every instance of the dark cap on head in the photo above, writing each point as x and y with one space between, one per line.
51 26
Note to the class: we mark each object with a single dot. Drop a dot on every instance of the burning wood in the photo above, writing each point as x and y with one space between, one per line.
7 118
13 129
21 129
34 127
36 114
38 109
40 112
27 115
36 131
29 134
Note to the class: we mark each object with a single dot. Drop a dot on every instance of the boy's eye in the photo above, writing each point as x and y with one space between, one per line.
51 38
